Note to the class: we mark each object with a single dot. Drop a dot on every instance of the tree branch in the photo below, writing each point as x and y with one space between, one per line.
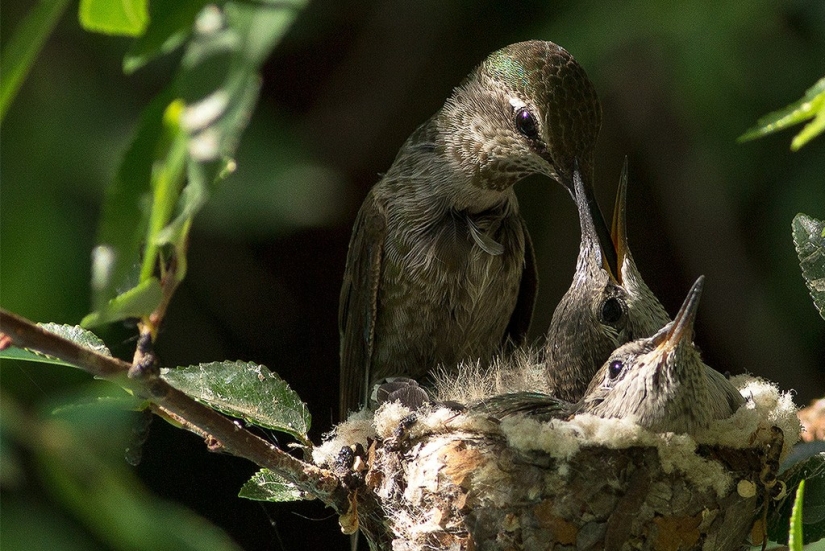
233 439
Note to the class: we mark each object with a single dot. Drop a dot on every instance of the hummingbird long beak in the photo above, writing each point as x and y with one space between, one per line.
593 226
618 230
682 326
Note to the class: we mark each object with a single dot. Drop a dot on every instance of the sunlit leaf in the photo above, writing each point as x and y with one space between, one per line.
219 82
188 136
809 240
812 105
266 485
124 401
168 176
811 130
245 390
170 24
22 48
119 17
219 74
78 335
795 535
137 207
138 301
74 333
126 203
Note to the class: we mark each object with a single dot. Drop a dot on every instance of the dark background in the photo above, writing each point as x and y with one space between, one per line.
678 83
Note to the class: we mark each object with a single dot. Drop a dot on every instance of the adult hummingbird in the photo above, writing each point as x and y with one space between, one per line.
661 381
607 304
440 265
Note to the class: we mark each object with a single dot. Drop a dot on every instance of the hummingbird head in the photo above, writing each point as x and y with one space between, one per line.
608 303
591 319
659 381
646 313
527 109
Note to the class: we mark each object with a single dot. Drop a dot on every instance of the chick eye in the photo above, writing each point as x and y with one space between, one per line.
526 123
612 311
615 368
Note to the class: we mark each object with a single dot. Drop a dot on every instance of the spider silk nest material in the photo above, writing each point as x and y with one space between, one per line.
451 473
766 406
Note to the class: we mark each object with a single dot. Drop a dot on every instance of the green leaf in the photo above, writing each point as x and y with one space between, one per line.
218 78
137 302
811 130
74 333
78 335
126 205
264 25
105 496
811 105
167 181
245 390
124 401
22 49
795 536
218 81
117 17
170 24
812 471
186 140
265 485
809 240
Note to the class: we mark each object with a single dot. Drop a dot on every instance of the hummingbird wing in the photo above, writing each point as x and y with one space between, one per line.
359 304
523 313
539 406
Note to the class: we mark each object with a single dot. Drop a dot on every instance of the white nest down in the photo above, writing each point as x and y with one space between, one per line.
750 426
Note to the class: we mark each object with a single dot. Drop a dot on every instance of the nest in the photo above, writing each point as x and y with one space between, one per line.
441 479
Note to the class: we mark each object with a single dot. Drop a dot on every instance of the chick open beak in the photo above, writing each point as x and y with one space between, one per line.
618 230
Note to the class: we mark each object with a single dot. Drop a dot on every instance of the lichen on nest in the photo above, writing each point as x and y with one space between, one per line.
765 407
443 478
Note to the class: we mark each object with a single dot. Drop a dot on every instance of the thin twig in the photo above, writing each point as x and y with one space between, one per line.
233 439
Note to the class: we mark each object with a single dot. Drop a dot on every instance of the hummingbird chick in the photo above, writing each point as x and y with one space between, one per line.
440 265
661 383
607 304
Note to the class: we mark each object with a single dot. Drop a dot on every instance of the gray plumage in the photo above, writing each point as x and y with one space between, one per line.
661 383
535 405
607 304
440 265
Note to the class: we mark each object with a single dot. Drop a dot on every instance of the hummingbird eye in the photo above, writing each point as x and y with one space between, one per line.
526 123
612 311
615 368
